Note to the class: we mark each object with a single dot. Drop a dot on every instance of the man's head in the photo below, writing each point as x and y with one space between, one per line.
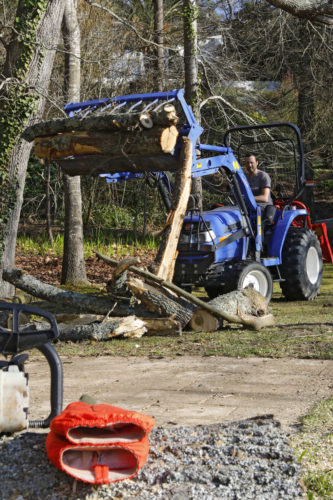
251 164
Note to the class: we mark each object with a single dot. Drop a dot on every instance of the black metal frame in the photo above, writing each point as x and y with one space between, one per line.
300 173
14 341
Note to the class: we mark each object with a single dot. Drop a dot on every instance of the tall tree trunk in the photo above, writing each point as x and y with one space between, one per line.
158 38
73 266
191 75
29 61
306 103
48 201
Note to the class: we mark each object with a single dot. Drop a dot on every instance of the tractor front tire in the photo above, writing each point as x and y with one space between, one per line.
244 274
302 265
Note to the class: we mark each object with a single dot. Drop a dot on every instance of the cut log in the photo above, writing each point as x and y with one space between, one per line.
162 326
121 143
166 115
108 122
164 263
248 304
161 302
130 326
103 164
81 303
109 328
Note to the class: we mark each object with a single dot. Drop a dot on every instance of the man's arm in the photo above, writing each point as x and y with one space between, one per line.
264 196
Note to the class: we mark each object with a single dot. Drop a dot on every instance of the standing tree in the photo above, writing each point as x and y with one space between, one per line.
158 38
26 74
73 266
191 74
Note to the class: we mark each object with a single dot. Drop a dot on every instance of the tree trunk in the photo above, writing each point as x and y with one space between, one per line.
73 264
191 77
75 302
150 142
28 69
306 104
48 202
160 302
317 11
164 263
158 38
73 267
127 122
102 329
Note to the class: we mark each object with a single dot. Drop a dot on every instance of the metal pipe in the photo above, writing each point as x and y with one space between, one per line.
56 391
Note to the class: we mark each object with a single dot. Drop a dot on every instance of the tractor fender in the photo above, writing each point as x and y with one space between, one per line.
280 232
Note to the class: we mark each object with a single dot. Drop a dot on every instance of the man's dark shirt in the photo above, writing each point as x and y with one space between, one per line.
258 182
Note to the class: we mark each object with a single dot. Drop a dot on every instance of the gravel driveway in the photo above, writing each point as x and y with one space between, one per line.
247 459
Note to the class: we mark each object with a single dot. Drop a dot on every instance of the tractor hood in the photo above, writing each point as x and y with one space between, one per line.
227 219
211 230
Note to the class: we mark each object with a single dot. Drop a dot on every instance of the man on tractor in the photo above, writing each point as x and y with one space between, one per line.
260 181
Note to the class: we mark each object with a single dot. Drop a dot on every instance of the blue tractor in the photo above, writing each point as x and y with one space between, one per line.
238 245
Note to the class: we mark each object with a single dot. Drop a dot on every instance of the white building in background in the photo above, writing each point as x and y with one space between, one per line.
126 68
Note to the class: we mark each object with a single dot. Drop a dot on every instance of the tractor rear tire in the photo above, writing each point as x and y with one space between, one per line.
302 265
244 274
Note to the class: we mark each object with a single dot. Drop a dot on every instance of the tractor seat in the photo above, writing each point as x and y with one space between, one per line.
269 214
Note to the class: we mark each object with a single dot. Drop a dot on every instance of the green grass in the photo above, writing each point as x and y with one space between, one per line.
103 241
313 446
302 330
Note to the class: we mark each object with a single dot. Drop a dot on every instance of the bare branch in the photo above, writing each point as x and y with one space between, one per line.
317 11
129 25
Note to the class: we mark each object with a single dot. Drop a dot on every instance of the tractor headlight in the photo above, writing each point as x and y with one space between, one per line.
195 238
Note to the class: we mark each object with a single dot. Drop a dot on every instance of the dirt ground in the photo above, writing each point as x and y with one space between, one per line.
190 390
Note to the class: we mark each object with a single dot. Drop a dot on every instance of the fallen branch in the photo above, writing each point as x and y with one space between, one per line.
76 301
251 322
161 302
109 328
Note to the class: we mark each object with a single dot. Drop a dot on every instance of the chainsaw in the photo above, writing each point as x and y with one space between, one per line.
16 337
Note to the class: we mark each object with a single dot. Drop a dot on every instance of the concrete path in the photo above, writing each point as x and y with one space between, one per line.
190 390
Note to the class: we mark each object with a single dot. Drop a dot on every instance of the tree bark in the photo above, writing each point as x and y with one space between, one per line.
73 264
165 117
150 142
130 327
109 328
160 302
159 39
303 70
190 8
255 323
318 11
164 263
248 304
80 303
28 67
48 202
